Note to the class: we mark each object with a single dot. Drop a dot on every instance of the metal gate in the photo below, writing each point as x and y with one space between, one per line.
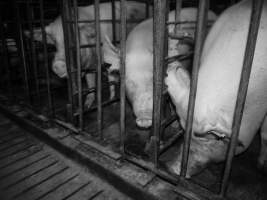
34 92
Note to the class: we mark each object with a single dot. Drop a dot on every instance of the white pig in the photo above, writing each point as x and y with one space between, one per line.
219 76
139 61
54 32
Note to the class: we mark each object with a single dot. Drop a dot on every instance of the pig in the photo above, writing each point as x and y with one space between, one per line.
139 61
218 81
54 33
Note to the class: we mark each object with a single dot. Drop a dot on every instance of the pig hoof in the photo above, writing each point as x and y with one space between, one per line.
144 123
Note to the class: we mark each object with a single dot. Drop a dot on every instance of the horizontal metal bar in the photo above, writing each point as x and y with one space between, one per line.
106 21
210 22
186 188
179 57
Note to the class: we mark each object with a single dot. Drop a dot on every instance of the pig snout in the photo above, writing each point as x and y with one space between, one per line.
60 68
203 150
144 119
143 107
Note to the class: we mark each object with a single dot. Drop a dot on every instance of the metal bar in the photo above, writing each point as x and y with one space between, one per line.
113 7
169 143
159 30
49 94
78 62
99 69
20 42
243 86
178 9
122 74
70 105
105 21
33 52
185 188
5 57
210 22
193 86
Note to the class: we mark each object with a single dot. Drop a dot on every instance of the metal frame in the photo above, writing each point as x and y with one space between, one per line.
75 97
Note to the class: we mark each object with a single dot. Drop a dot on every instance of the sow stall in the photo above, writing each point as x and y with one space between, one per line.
27 81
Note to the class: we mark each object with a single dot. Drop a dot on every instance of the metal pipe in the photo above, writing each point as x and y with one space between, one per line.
193 86
122 74
78 62
20 42
113 7
242 91
33 51
178 9
99 69
65 17
49 94
159 30
5 57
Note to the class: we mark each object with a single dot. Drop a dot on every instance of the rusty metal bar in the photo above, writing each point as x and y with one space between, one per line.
113 7
20 42
159 30
99 69
193 86
122 74
33 51
49 94
78 62
243 86
65 16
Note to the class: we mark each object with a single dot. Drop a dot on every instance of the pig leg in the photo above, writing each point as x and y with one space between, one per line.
262 160
90 79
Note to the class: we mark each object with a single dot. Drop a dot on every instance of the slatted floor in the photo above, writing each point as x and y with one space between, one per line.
30 170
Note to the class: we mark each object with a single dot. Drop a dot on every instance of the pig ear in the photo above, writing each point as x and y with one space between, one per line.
110 52
38 36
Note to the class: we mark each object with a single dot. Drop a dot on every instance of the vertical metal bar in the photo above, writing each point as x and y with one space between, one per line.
99 69
113 7
193 86
159 30
33 53
122 73
78 62
5 56
51 110
20 43
178 9
243 86
65 17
